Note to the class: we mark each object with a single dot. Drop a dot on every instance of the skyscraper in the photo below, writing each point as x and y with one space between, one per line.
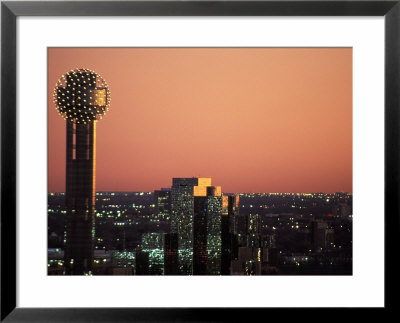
214 246
82 97
171 254
153 245
182 209
182 220
200 236
207 246
230 210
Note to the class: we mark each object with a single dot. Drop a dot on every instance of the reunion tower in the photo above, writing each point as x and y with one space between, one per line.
81 97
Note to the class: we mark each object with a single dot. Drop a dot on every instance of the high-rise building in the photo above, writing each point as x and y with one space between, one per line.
200 236
322 235
182 208
163 204
81 97
230 210
153 245
207 246
214 243
171 254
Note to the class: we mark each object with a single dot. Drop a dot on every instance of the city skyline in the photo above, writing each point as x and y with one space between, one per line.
191 228
249 136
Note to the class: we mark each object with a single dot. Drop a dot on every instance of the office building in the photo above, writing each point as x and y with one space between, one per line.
230 210
182 209
207 230
163 204
153 245
171 254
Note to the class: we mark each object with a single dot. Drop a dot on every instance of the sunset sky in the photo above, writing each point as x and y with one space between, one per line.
253 119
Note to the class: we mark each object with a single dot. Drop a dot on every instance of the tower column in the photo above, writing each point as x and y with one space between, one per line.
80 197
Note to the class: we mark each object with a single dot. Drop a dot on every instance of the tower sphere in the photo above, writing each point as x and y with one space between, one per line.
82 96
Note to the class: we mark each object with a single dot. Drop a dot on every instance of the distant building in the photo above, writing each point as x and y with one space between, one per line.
153 245
322 235
124 259
241 224
163 204
268 241
248 263
255 261
342 210
254 223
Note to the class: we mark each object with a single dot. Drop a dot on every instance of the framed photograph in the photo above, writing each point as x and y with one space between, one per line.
247 159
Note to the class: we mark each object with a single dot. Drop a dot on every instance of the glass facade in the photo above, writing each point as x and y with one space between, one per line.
153 245
214 247
196 209
182 220
208 205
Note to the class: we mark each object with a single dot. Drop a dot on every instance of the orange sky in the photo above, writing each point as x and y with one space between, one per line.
253 119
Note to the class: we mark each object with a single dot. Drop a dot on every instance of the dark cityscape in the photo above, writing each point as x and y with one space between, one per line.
232 234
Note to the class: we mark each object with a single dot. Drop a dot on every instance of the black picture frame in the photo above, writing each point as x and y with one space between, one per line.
10 10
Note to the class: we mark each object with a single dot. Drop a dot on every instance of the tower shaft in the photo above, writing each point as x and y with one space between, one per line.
80 197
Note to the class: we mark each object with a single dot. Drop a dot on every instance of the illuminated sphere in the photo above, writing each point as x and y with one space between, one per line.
82 96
